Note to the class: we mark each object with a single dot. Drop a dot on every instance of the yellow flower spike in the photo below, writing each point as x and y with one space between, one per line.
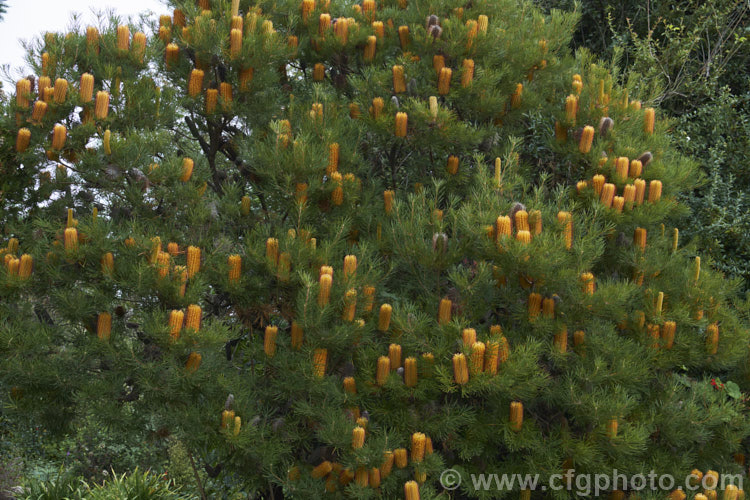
373 477
369 292
548 308
468 336
176 319
193 260
383 370
361 477
402 121
71 239
452 166
628 195
297 335
59 134
195 83
387 466
516 415
388 196
104 326
566 219
618 202
621 168
418 440
227 416
269 340
696 270
522 220
370 46
612 426
399 80
350 386
534 306
403 36
561 340
350 305
460 369
411 490
23 91
394 355
171 54
139 46
492 351
107 142
467 73
667 333
649 117
272 251
476 364
322 470
712 338
324 23
482 23
587 139
608 194
193 317
25 266
444 311
410 372
640 191
535 221
502 226
163 260
193 362
588 283
379 29
237 426
377 107
358 437
60 90
123 38
654 191
438 63
101 106
108 264
235 42
324 293
636 168
234 263
212 98
659 303
38 111
472 30
350 266
444 80
639 238
22 140
319 72
354 112
515 99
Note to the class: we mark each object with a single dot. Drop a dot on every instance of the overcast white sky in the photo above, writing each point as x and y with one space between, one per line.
28 18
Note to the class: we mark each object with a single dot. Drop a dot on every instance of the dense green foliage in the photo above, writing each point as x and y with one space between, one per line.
382 224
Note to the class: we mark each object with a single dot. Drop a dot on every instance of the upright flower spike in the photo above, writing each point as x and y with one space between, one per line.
59 134
38 111
399 80
534 306
193 317
23 92
460 369
324 292
654 191
621 168
571 109
516 415
12 264
369 292
444 80
668 330
612 425
696 270
350 305
491 357
123 38
566 219
171 54
139 46
410 372
608 194
438 63
418 441
25 266
101 106
468 336
649 117
324 23
350 386
212 99
60 90
628 195
444 311
515 98
322 470
163 260
193 260
587 139
639 238
561 341
394 355
640 191
402 120
86 90
176 319
234 263
23 138
452 166
383 370
379 29
370 46
411 490
548 307
522 220
377 107
193 362
235 42
712 338
350 266
195 83
269 340
467 73
71 239
388 196
636 168
272 251
587 279
297 335
104 326
403 36
358 437
319 72
476 364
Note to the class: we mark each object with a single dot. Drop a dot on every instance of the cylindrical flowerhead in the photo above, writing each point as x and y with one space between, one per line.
410 372
187 169
402 121
319 72
460 369
612 426
503 227
22 140
534 306
123 38
399 80
561 341
373 477
383 370
71 239
193 362
654 191
571 109
378 28
696 269
324 23
324 291
361 476
350 386
618 202
86 91
358 437
212 99
452 166
492 356
234 263
515 98
476 364
444 80
621 168
370 46
403 36
668 330
38 111
649 117
269 340
377 107
418 440
176 319
639 238
438 63
350 266
101 107
23 92
350 304
104 326
587 280
235 42
272 251
467 73
163 260
400 457
522 220
587 139
322 470
193 317
171 54
548 307
139 46
411 490
237 426
60 90
468 336
388 196
297 335
387 465
444 311
608 194
712 338
482 23
394 354
59 134
636 168
566 219
516 415
25 266
195 83
193 260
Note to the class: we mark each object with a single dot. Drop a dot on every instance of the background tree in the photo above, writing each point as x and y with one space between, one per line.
340 248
